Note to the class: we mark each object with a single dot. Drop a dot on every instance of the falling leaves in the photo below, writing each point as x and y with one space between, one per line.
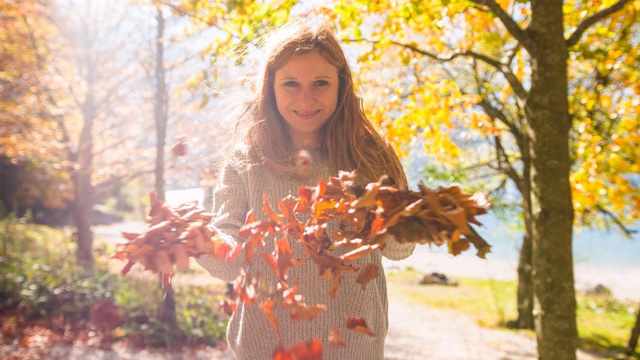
174 234
368 217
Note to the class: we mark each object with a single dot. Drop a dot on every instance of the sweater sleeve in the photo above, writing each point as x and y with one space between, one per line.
397 251
230 205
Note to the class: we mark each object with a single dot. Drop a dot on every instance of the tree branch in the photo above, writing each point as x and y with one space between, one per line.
504 69
627 232
591 20
512 27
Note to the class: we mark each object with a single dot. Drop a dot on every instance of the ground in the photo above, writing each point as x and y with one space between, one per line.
415 332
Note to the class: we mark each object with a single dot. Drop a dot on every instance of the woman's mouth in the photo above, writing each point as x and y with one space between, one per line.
306 114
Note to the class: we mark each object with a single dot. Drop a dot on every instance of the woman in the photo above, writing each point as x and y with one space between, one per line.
305 100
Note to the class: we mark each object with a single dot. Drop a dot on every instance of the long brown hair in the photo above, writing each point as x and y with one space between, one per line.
349 140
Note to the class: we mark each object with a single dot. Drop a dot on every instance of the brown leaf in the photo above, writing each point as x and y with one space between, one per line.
457 247
228 306
359 324
180 256
458 218
368 273
294 304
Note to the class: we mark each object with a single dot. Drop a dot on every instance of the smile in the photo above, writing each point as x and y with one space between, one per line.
306 113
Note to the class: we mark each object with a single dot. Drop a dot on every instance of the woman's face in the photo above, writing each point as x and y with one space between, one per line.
306 91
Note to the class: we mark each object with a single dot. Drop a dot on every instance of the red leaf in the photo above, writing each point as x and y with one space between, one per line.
311 350
359 324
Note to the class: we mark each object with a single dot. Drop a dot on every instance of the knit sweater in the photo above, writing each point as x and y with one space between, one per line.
241 186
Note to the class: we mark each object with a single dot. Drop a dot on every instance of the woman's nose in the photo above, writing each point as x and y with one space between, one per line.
306 96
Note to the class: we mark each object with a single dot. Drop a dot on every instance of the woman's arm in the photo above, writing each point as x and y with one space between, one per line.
230 205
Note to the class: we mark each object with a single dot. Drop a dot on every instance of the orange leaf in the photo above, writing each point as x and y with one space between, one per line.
266 208
359 324
311 350
267 308
335 338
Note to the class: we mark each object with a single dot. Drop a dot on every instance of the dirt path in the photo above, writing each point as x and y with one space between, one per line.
419 332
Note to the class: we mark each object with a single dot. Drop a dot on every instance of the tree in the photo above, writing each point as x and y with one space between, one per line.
99 129
523 46
161 105
30 150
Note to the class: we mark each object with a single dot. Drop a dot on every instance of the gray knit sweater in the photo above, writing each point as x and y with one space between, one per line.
241 185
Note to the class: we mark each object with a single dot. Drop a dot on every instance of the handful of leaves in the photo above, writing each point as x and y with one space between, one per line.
368 217
173 236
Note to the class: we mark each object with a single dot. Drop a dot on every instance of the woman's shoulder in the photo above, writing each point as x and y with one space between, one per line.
240 153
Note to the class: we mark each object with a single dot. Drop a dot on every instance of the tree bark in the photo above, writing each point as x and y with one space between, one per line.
548 118
83 188
525 285
168 309
633 339
525 262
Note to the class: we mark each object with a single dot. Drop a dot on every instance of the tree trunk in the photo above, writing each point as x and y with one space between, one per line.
525 262
525 285
168 308
633 339
83 188
547 112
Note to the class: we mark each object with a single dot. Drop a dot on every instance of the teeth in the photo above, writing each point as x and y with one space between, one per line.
306 113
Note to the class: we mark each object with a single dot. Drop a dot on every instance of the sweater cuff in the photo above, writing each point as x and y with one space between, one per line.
397 251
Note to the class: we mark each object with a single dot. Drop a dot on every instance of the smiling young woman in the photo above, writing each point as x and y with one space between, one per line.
304 99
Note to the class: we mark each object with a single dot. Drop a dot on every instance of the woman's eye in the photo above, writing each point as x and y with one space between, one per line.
290 84
321 83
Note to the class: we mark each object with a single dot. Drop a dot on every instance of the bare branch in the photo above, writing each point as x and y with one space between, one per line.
503 68
591 20
627 232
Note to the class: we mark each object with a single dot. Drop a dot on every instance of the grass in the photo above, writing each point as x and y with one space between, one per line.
604 323
41 284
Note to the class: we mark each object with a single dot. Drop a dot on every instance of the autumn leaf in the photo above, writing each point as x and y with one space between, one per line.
294 304
360 252
267 309
368 273
281 260
359 324
228 306
311 350
335 338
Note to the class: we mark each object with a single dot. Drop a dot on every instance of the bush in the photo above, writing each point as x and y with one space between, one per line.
41 280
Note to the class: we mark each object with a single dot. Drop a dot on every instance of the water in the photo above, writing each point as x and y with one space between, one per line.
591 247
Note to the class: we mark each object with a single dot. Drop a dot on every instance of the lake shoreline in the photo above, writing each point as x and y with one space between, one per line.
624 283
